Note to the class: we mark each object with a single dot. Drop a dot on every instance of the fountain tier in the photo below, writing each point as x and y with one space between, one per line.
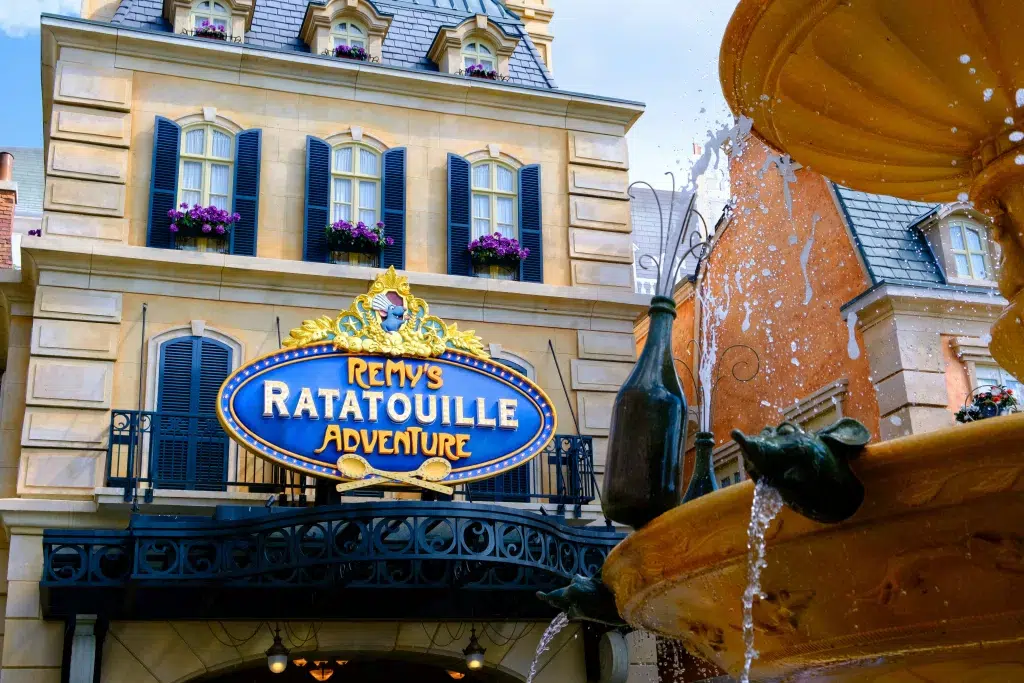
926 574
921 99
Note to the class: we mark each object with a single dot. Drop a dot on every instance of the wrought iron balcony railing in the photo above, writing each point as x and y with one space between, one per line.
150 451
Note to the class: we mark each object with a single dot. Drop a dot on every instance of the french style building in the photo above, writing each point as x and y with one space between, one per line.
142 544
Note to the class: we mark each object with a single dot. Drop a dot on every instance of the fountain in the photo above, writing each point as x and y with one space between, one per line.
906 562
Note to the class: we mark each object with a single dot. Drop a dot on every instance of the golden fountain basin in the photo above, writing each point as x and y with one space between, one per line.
924 583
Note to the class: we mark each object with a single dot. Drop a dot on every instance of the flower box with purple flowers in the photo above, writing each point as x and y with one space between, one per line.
208 30
497 256
201 225
349 52
345 238
479 71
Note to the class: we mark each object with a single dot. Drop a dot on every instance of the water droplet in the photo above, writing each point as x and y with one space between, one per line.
1019 160
1016 136
987 94
1020 97
965 59
954 129
896 420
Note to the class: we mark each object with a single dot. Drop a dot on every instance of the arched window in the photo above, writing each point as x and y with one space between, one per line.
348 33
355 184
190 450
969 250
210 11
477 53
206 164
495 197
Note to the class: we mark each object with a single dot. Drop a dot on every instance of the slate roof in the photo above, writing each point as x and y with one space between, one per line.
884 229
414 25
28 173
643 208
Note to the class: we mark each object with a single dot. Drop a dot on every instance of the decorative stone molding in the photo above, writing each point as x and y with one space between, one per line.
494 153
499 354
178 14
209 115
320 16
830 397
446 50
357 134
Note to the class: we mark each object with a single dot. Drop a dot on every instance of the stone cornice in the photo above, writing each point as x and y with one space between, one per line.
945 302
244 279
228 63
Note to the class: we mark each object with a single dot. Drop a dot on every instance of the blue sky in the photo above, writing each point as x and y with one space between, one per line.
662 53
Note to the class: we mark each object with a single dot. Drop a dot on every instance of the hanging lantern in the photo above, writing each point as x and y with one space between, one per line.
473 652
277 655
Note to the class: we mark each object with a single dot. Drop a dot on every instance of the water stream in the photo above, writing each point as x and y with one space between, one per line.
767 503
559 622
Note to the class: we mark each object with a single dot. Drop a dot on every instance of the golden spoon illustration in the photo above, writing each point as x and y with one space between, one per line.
356 467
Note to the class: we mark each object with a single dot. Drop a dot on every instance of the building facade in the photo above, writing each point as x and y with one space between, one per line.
857 305
440 120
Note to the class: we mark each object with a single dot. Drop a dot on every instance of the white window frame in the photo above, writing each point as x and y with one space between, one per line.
222 17
966 227
355 177
493 194
472 54
1005 378
208 161
339 37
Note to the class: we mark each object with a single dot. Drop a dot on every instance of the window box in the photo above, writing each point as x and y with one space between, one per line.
355 53
211 31
353 258
209 245
496 272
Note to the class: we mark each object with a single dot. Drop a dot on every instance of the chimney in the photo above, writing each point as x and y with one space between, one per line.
8 200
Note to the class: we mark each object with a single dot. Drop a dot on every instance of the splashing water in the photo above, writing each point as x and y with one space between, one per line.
713 313
805 257
559 622
767 503
852 348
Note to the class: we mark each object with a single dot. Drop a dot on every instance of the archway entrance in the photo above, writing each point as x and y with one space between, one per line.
363 670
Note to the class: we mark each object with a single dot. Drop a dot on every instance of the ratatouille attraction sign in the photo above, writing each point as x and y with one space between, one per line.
386 394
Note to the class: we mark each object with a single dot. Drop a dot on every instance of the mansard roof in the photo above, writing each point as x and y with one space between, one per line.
415 23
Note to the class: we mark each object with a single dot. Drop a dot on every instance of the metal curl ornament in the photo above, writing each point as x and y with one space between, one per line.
718 374
671 243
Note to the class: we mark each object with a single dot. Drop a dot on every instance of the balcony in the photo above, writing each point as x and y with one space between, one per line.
189 456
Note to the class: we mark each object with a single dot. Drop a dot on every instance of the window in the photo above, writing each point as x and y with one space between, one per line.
348 33
206 164
494 199
995 375
355 182
968 250
212 12
477 53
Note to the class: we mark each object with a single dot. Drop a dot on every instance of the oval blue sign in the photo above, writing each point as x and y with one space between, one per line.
388 420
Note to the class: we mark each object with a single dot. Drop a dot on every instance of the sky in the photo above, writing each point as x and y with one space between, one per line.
661 53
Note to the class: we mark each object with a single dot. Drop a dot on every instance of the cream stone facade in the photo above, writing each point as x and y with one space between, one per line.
87 315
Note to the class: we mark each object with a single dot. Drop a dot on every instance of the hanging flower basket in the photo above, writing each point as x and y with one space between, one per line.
357 244
478 71
998 400
496 256
347 52
201 228
211 31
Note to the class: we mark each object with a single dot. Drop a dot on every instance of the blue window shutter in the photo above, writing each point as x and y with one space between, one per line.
247 191
190 452
318 200
170 450
393 203
210 462
459 216
163 182
531 234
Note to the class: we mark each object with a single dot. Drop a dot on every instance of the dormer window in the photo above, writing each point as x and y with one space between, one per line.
348 34
209 13
477 53
969 250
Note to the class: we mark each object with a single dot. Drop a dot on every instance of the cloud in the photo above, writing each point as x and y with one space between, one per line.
21 17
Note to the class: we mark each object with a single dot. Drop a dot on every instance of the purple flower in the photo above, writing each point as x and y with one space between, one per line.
173 228
221 230
207 227
184 205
